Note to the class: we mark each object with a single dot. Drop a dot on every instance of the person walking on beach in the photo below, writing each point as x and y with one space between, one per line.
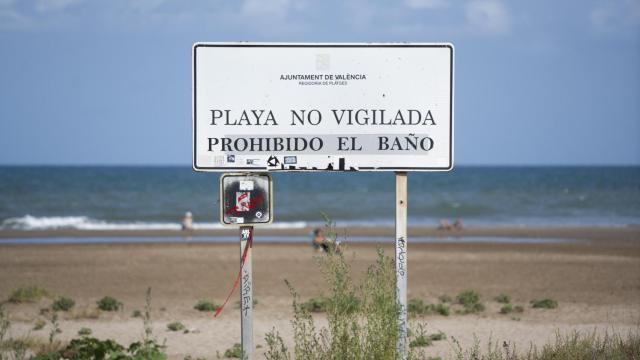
187 221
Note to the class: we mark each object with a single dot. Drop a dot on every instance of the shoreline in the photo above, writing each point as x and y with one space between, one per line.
619 235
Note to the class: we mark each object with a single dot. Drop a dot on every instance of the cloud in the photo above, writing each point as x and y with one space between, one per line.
612 15
488 15
145 5
275 8
53 5
12 20
426 4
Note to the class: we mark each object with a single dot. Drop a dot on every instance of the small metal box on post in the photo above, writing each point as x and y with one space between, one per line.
246 200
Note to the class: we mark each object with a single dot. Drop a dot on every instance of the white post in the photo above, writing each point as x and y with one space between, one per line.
401 262
246 293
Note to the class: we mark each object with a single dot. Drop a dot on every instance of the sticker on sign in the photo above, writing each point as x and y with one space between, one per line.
322 107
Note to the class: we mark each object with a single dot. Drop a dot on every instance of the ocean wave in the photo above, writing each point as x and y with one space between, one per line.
29 222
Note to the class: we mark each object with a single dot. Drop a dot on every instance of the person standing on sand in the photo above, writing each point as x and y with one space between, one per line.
187 221
321 243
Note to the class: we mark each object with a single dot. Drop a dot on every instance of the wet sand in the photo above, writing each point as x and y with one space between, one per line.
596 281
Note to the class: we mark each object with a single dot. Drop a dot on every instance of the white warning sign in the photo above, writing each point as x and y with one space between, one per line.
322 107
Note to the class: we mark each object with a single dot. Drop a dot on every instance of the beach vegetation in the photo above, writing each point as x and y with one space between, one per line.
420 341
362 317
39 325
503 298
423 339
442 309
92 348
575 345
506 309
544 304
148 348
234 352
206 305
175 326
470 301
276 348
109 303
445 299
55 328
467 297
28 294
63 303
417 307
85 331
83 348
318 304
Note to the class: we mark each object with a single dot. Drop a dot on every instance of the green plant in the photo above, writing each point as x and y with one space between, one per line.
509 308
421 339
62 304
570 346
316 304
445 299
5 324
468 297
470 301
147 350
442 309
506 309
276 349
206 305
149 347
175 326
91 348
234 352
95 349
503 298
29 294
55 328
39 325
362 318
136 314
438 336
84 331
109 303
544 304
417 307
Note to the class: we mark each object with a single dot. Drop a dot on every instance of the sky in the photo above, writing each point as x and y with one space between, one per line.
109 82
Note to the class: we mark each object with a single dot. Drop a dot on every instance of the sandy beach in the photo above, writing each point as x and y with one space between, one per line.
595 279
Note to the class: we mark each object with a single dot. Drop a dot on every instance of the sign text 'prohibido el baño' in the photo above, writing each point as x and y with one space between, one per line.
322 107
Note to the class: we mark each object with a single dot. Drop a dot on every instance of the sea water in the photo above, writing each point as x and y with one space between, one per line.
117 198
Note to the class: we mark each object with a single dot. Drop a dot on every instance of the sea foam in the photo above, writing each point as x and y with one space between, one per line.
29 222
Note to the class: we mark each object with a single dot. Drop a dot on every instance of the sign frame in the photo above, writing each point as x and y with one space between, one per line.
255 169
222 199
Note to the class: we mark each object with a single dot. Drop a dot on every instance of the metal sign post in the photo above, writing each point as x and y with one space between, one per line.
246 292
245 200
401 262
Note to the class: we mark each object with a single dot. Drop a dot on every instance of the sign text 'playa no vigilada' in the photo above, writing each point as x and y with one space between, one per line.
322 107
